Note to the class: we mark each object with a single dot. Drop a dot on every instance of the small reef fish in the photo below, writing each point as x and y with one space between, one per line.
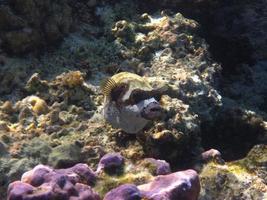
130 102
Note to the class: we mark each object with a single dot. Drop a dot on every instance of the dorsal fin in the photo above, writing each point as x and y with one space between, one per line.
107 86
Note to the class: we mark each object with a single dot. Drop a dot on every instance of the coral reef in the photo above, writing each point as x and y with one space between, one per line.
207 58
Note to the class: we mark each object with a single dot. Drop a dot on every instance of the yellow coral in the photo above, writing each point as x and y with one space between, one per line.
39 106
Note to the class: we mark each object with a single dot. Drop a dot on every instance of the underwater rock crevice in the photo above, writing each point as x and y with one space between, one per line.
233 132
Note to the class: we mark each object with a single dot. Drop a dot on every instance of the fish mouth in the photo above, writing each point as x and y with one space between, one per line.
152 111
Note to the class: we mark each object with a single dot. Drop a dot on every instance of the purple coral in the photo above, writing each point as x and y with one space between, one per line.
36 177
110 161
180 185
43 182
18 189
124 192
85 173
212 154
74 183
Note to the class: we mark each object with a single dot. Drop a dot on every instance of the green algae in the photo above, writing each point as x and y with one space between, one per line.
107 182
65 155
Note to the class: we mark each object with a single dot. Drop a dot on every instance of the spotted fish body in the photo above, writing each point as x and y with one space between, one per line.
127 96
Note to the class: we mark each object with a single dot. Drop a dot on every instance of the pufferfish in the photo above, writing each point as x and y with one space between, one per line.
130 102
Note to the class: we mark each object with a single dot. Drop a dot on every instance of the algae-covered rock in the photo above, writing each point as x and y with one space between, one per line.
156 167
176 136
18 166
28 26
243 179
37 149
65 155
69 87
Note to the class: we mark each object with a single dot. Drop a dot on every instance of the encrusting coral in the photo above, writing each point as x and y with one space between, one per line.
78 182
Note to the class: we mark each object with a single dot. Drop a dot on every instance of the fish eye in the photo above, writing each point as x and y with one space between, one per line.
138 96
157 95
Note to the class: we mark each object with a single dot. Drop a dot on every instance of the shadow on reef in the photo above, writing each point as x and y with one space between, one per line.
233 132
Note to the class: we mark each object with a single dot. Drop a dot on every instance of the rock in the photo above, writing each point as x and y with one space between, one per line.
25 112
173 139
174 3
8 20
110 162
180 185
18 167
179 61
120 173
124 192
65 155
35 84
